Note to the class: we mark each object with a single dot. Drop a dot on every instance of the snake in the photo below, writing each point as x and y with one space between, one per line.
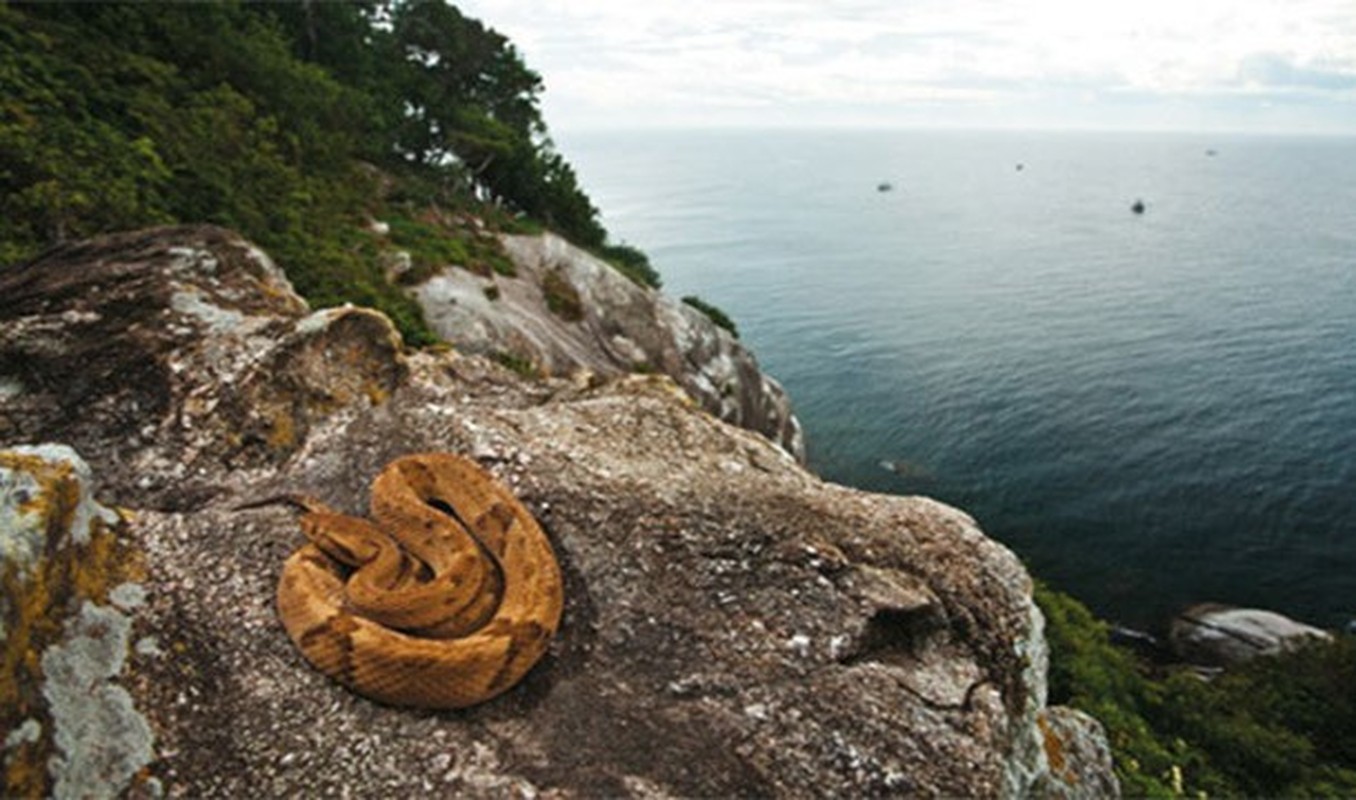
444 598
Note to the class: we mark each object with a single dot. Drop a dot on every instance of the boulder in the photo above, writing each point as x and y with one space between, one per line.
1223 636
72 729
567 311
734 626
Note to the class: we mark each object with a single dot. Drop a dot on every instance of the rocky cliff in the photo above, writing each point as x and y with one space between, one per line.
733 626
565 310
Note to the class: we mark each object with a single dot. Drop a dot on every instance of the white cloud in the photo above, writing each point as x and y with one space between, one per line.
621 62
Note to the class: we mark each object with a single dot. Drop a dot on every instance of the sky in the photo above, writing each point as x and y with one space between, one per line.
1251 65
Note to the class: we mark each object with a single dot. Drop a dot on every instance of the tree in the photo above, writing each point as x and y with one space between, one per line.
472 107
268 118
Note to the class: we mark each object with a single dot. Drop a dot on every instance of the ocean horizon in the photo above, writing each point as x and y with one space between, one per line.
1151 409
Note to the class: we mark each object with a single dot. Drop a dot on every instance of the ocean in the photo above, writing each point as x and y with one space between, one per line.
1150 409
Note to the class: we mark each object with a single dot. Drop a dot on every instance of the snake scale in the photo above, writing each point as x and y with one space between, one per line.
445 598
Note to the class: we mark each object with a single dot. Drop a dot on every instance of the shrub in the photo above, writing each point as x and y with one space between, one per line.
519 364
1280 726
712 313
561 296
631 262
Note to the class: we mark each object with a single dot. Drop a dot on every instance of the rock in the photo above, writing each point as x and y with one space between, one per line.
734 626
610 326
1224 636
1079 758
44 491
165 355
72 729
101 738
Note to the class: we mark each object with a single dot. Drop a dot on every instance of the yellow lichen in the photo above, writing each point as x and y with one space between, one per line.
38 598
1054 752
282 434
376 393
25 771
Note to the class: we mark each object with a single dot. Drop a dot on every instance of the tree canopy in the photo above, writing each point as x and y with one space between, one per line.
277 119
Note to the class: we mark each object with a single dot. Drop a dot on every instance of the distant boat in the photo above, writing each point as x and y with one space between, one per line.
1212 153
885 186
1020 166
1138 207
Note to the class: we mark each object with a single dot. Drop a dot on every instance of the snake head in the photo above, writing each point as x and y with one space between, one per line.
349 540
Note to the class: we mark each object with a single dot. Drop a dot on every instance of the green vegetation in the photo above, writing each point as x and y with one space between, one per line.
519 364
293 123
632 263
436 239
1277 727
561 297
712 313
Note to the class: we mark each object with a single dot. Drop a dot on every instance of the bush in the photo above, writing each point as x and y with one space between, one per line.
1281 726
561 297
631 262
712 313
289 124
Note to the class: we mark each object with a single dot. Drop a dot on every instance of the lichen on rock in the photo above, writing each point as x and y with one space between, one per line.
61 553
39 485
102 741
1077 756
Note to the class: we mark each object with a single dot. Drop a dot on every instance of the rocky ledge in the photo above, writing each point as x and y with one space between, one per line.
733 626
565 311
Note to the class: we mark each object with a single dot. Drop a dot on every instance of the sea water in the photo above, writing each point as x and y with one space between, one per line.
1151 409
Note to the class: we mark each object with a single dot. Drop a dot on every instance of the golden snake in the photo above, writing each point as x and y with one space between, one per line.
444 599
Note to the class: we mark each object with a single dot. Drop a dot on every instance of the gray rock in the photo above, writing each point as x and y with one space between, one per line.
86 735
1080 765
734 626
102 740
31 481
1224 636
624 327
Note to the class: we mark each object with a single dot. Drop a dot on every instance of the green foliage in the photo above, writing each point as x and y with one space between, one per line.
436 240
631 262
1276 727
474 112
712 313
429 248
66 170
1089 673
519 364
294 123
561 297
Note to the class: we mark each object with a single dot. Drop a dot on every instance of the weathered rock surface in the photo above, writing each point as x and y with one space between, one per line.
620 327
733 625
1078 755
1222 636
64 633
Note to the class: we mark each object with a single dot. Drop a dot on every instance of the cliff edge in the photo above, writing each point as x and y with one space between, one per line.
733 626
564 310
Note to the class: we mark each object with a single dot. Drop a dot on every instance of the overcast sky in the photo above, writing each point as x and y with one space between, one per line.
1260 65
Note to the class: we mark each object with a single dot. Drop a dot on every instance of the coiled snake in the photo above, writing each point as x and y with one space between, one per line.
444 599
